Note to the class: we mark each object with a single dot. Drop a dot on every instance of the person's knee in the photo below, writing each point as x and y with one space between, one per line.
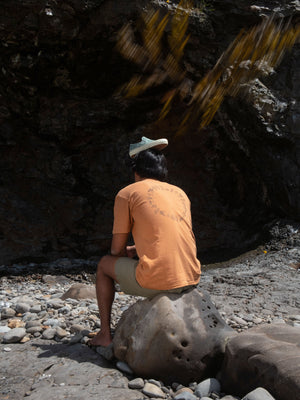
106 266
101 264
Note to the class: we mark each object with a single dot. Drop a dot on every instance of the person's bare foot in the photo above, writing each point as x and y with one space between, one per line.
101 339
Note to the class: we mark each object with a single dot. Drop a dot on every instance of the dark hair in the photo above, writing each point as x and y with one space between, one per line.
151 164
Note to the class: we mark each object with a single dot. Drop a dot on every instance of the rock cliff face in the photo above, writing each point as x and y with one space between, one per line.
64 135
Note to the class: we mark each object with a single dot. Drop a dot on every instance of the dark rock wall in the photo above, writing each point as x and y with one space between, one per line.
64 135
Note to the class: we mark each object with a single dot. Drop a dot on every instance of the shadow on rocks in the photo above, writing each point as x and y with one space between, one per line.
77 352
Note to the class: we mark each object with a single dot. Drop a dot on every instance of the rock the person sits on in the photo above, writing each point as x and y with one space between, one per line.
173 337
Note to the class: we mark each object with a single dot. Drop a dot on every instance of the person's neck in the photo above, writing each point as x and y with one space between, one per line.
138 178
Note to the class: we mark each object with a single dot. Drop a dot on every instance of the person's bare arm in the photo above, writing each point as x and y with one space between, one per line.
118 244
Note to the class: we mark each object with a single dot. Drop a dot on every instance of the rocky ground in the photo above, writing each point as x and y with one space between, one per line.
47 355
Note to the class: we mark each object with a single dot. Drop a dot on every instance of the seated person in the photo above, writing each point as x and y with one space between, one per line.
158 216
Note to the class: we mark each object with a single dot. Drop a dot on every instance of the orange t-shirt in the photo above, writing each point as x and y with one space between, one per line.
158 215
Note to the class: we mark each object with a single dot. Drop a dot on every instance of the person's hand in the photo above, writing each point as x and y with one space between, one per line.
131 251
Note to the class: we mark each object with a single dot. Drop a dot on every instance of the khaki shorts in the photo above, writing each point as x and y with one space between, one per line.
125 272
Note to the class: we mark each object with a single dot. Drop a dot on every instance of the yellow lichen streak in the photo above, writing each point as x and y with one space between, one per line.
253 53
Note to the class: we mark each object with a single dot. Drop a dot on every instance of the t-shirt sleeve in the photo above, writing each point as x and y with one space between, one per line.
122 218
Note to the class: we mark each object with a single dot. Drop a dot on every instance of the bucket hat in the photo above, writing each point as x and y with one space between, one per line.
146 144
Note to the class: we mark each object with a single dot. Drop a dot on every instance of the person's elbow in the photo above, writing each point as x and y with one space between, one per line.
116 252
118 246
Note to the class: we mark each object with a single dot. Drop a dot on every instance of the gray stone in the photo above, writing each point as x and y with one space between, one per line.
137 383
76 338
23 299
14 335
65 309
4 303
36 309
259 394
56 295
22 308
166 389
7 312
85 340
257 320
52 279
107 352
206 387
152 390
34 329
61 333
239 320
76 328
4 329
55 303
51 322
85 332
185 395
73 302
154 382
266 356
176 385
183 389
80 291
229 397
49 333
193 385
29 317
43 314
295 317
122 366
31 324
94 308
172 337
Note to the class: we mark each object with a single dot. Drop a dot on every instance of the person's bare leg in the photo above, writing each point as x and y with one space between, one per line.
105 291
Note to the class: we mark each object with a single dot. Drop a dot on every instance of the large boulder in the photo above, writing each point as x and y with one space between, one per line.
267 356
173 337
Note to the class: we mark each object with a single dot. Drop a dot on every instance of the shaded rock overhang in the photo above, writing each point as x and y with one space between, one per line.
64 135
